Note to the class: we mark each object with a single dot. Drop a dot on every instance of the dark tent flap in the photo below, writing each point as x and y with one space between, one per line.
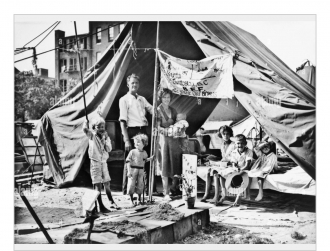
62 136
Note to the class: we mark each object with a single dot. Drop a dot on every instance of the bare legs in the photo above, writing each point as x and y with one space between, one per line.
207 186
248 189
261 191
165 185
216 188
103 209
108 193
223 190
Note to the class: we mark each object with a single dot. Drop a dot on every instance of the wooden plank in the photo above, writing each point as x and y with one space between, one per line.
31 150
29 141
28 179
37 161
182 228
28 174
87 202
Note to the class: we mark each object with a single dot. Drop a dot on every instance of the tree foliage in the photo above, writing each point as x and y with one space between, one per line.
33 96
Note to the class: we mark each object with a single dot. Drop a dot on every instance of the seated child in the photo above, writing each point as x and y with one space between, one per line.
99 146
262 167
135 166
226 147
178 130
239 160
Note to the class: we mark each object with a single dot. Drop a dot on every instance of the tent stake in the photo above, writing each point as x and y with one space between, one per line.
154 132
81 77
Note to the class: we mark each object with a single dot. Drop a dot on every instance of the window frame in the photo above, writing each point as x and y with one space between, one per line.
98 34
110 39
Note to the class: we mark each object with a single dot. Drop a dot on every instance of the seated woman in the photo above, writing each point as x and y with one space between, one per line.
262 167
226 147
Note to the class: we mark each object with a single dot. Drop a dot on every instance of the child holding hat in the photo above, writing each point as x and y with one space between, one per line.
239 159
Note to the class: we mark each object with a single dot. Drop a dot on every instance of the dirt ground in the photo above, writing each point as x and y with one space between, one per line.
272 220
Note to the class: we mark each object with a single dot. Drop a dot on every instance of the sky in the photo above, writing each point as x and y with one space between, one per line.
292 37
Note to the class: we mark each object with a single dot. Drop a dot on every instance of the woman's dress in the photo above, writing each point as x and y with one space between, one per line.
168 150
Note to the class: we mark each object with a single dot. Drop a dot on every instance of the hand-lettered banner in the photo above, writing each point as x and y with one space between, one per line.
211 77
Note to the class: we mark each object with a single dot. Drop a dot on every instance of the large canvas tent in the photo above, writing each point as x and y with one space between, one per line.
258 75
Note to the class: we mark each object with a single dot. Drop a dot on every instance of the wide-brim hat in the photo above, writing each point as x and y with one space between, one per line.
237 182
262 145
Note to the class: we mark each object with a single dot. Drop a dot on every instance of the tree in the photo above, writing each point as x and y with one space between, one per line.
33 96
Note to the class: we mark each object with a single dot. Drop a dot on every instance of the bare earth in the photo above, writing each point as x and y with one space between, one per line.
275 218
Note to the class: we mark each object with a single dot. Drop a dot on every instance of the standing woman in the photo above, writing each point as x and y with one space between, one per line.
168 149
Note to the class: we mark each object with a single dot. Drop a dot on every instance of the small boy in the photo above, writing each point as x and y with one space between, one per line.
135 166
99 146
240 159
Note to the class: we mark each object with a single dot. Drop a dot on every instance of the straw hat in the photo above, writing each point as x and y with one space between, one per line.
237 182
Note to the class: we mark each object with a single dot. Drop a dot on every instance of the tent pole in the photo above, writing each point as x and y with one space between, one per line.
81 77
154 121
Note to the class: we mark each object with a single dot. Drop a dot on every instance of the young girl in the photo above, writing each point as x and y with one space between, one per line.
226 147
262 167
135 166
99 146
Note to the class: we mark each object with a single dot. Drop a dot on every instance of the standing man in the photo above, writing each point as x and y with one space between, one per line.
133 109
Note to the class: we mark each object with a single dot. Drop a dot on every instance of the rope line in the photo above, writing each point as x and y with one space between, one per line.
40 34
56 48
47 34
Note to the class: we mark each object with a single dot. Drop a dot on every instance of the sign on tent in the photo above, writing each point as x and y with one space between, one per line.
211 77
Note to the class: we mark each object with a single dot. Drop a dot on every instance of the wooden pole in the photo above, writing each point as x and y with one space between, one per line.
154 132
34 215
81 77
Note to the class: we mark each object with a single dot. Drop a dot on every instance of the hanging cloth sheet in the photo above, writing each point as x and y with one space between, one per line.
211 77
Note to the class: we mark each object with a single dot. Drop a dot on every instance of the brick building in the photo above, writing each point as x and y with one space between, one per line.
91 47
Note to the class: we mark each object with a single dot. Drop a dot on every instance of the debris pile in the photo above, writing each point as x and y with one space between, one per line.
124 227
164 211
75 233
297 236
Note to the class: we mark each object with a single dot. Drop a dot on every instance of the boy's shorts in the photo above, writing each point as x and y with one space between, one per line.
99 172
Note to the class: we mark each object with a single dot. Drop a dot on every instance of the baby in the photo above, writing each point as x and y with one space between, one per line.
178 130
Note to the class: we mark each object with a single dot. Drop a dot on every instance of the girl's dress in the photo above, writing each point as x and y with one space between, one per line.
263 166
168 150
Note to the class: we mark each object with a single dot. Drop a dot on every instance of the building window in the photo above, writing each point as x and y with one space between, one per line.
63 85
84 63
98 35
110 33
98 56
63 65
121 27
73 64
83 43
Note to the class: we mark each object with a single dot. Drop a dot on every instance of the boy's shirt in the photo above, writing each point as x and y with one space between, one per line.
133 110
241 158
97 151
137 158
